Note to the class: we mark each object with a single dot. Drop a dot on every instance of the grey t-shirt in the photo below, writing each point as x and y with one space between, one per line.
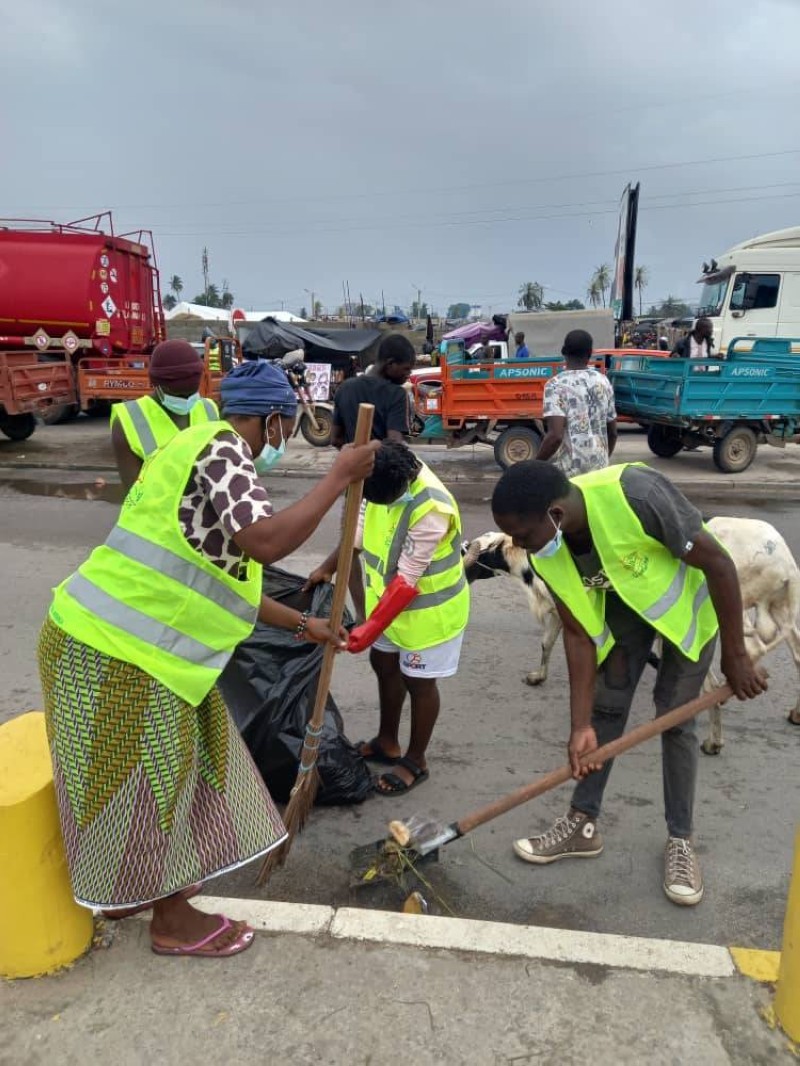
665 513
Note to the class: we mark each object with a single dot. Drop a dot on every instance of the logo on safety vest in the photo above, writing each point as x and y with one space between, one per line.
636 563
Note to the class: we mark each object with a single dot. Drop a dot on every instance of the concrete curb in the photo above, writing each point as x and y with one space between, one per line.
488 938
714 487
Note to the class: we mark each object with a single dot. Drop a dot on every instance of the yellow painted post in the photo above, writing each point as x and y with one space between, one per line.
787 997
41 925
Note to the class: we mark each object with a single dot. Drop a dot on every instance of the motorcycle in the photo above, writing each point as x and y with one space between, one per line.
315 421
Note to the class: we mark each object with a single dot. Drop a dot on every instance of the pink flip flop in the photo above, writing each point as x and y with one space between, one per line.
200 949
130 912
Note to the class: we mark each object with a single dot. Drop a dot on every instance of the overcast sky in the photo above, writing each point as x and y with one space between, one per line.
460 147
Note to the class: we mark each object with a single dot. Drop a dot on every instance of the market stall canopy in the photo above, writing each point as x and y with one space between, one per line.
272 340
475 332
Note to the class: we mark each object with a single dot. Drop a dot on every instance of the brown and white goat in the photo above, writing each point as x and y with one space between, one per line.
768 575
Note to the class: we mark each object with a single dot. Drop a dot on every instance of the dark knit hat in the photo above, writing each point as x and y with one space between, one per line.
175 364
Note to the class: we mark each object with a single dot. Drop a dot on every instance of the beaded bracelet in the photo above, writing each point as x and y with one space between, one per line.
302 626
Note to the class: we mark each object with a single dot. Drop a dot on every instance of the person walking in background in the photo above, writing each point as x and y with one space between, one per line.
140 427
698 343
522 348
383 389
579 412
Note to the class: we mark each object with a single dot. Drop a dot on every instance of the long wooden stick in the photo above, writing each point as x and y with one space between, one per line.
602 754
306 784
352 508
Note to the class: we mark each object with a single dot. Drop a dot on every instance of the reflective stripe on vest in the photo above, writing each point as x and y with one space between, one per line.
143 428
164 561
151 424
140 625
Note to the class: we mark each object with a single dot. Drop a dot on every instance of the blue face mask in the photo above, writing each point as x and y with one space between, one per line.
269 456
179 405
405 497
552 546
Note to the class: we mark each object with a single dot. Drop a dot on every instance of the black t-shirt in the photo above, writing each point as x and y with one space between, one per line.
390 402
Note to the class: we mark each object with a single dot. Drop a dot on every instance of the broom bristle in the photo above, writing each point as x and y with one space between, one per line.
298 809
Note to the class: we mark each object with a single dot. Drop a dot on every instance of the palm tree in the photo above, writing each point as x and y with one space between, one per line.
593 293
169 302
602 278
641 277
226 300
531 296
176 286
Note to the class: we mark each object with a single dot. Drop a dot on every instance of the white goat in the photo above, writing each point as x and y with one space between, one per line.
768 575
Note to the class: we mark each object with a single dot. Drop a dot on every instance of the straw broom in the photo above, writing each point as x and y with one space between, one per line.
304 792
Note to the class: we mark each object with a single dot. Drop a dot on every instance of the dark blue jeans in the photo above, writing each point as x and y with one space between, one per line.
678 681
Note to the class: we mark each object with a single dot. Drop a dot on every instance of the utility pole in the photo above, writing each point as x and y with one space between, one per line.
205 272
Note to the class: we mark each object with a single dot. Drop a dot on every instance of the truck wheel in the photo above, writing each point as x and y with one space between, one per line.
516 444
64 412
320 438
736 450
664 441
17 427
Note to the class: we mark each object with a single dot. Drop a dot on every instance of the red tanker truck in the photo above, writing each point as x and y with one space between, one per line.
73 292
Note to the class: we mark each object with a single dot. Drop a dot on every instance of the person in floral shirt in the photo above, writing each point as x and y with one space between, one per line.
579 412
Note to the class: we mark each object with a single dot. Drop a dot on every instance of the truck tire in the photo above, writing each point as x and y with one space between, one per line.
322 437
17 427
664 441
734 452
516 444
56 416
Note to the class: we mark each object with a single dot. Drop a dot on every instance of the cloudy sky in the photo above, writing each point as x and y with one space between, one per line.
462 148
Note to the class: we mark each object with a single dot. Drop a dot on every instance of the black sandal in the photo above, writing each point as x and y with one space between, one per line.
377 754
397 786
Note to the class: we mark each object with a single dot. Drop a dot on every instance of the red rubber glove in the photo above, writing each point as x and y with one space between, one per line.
396 597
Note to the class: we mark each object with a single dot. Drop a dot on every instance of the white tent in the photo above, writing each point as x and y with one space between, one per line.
186 312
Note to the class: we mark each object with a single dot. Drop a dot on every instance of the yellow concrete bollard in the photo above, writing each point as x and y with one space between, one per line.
787 997
41 925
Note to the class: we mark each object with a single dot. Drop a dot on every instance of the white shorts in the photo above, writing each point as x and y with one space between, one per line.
438 661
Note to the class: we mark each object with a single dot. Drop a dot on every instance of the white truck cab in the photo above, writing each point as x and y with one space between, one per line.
753 290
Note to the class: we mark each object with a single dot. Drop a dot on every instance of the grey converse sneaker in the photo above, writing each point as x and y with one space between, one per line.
683 882
573 836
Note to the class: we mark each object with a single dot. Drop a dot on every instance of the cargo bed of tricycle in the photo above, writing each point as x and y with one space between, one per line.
30 384
733 404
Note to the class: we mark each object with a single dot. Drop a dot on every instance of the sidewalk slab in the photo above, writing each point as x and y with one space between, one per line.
298 999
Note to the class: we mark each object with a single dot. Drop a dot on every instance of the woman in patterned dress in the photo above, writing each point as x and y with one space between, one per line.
156 789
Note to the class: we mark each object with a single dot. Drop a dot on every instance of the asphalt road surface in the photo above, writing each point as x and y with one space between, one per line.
493 735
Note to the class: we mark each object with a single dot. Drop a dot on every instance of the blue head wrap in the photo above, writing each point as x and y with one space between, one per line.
257 388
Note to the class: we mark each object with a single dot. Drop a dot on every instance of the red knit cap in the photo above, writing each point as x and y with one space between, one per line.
175 364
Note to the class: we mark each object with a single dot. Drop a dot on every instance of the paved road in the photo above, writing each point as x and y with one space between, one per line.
494 734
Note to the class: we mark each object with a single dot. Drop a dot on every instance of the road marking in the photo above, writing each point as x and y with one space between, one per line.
758 965
492 938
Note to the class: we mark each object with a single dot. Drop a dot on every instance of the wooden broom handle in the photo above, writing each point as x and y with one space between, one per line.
607 751
352 507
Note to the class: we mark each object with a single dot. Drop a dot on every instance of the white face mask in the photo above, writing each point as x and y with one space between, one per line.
552 546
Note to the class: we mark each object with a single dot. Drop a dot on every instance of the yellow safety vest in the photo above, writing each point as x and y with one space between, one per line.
147 425
666 592
441 610
147 597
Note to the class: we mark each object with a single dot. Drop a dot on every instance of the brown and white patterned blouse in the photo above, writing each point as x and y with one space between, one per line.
222 497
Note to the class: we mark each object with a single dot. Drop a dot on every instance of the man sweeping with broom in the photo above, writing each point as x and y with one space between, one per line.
416 605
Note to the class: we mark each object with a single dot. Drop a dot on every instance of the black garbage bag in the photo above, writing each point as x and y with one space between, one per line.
269 687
